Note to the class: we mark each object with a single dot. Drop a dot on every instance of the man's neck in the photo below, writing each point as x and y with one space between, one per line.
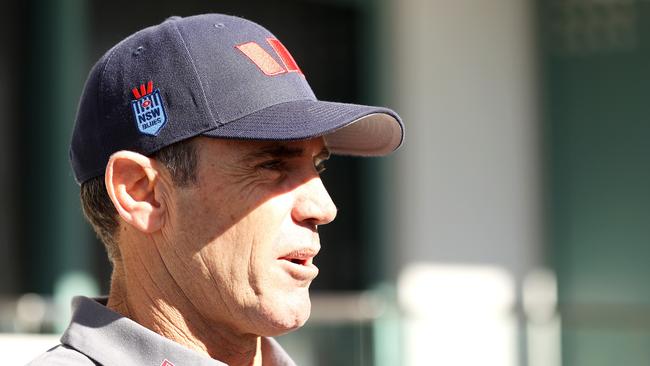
175 318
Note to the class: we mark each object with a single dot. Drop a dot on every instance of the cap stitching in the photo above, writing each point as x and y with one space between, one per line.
100 91
198 78
109 57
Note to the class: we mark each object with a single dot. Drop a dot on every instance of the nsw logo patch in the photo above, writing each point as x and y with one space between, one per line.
148 109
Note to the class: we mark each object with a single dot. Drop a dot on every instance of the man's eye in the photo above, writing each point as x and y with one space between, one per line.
273 165
320 167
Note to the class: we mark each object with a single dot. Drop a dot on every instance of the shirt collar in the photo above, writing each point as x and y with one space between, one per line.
112 339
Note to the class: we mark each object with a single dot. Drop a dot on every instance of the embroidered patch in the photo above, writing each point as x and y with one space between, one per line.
148 109
261 58
284 54
166 363
267 63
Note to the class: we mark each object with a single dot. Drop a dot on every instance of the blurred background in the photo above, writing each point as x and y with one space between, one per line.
513 227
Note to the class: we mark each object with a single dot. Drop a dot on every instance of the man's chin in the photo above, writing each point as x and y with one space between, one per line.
284 317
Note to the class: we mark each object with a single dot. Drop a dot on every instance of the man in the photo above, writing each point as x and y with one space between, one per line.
198 146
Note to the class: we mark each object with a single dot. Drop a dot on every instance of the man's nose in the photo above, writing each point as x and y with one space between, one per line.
313 204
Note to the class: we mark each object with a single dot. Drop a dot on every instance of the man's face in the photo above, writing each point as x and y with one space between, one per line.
240 242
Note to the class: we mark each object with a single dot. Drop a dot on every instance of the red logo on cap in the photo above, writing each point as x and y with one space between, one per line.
266 62
143 90
166 363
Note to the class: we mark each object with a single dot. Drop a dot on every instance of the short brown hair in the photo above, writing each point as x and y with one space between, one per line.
180 159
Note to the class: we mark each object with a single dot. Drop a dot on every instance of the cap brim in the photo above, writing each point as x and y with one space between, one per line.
348 129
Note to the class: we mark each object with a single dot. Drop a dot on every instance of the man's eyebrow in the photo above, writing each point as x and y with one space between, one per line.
281 151
274 151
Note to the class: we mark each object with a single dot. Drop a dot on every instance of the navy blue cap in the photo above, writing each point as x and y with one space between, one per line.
212 75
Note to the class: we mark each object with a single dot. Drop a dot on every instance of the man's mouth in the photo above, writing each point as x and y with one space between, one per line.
300 264
302 257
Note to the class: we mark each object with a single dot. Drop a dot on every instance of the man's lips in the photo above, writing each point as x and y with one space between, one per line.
303 256
299 263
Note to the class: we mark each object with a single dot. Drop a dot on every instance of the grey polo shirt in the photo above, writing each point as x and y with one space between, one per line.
99 336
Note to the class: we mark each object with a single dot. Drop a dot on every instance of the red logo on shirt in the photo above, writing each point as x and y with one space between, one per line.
166 363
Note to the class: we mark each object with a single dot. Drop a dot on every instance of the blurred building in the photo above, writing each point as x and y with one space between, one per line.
513 228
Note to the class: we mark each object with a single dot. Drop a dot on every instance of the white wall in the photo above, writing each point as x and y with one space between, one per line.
467 182
469 174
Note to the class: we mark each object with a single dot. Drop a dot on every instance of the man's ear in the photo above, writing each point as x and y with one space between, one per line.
131 182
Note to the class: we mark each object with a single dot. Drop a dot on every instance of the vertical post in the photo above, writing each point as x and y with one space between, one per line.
469 192
8 267
378 218
57 239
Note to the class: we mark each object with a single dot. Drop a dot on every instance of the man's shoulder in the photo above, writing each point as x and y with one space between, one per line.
62 355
